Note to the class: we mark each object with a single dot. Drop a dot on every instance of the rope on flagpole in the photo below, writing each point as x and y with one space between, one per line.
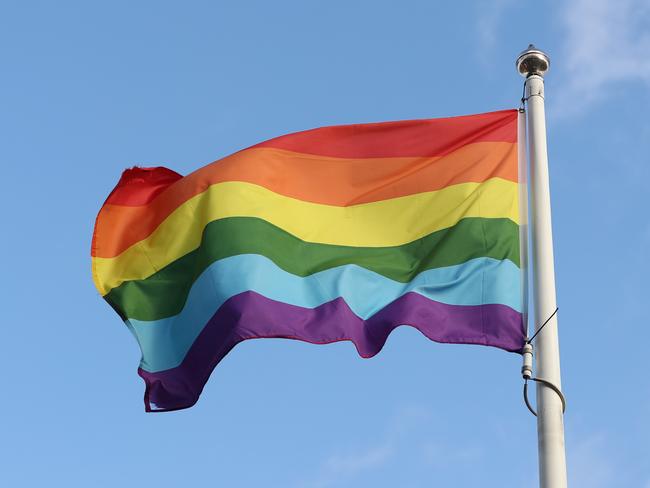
527 369
550 385
522 105
530 341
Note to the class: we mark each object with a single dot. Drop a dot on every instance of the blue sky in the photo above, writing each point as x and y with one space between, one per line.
89 88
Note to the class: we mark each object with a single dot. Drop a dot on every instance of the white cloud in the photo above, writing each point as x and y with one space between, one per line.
606 43
597 461
353 463
488 26
589 465
438 455
339 468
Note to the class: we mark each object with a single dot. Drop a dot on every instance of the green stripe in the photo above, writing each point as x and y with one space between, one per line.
164 293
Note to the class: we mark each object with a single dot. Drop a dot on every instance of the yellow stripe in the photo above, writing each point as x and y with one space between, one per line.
377 224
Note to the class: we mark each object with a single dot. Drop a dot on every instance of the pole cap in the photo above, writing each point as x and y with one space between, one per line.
533 61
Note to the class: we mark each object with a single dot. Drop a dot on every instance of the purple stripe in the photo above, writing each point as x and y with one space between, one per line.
250 315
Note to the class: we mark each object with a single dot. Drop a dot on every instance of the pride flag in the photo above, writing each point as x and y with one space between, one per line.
337 233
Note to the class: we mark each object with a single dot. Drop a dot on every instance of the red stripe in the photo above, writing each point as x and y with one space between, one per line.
409 138
428 137
138 186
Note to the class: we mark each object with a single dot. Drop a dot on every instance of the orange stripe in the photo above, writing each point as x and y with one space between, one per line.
317 179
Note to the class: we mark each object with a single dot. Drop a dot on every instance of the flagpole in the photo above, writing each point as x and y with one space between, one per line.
533 64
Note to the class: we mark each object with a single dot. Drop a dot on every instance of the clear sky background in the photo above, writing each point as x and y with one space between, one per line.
89 88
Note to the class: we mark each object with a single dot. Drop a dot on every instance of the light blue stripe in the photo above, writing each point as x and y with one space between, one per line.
165 342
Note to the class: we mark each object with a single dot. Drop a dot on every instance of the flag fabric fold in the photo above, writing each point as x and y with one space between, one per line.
338 233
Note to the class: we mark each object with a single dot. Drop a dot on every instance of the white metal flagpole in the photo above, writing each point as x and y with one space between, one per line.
533 64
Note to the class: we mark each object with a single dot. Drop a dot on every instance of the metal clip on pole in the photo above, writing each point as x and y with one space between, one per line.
527 367
527 374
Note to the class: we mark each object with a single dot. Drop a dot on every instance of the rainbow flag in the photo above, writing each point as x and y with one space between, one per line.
332 234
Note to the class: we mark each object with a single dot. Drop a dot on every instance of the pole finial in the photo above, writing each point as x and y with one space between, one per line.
533 61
